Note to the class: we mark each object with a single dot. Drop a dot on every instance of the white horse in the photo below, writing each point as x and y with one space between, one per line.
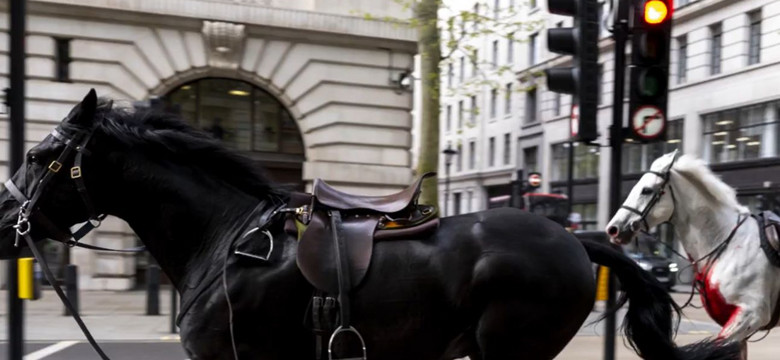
739 287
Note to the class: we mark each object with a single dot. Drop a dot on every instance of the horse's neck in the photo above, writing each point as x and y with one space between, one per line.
700 223
184 224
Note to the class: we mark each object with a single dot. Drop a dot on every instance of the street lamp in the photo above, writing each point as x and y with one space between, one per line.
448 154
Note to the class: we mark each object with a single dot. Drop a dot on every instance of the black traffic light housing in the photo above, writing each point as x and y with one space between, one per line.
580 80
651 30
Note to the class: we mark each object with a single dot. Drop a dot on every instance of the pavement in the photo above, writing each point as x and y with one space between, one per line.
117 320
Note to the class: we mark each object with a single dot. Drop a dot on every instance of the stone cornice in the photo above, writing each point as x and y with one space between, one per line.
251 14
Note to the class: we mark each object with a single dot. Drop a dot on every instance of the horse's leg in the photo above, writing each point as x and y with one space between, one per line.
744 322
743 353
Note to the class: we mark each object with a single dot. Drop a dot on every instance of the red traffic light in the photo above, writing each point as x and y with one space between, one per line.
656 12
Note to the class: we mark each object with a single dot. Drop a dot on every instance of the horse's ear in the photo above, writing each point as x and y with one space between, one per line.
83 114
675 155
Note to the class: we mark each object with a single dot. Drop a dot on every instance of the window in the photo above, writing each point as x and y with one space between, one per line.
496 9
474 110
469 201
532 49
492 151
450 73
493 103
682 59
510 48
462 72
532 4
459 163
474 62
531 159
456 203
750 132
508 99
586 162
556 104
476 17
637 157
589 213
472 154
246 118
530 106
460 114
754 41
507 148
600 16
715 48
62 59
449 117
495 53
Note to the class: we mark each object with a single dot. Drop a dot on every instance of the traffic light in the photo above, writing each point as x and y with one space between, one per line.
580 80
651 31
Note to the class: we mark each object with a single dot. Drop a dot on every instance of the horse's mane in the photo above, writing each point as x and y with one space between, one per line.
172 140
697 172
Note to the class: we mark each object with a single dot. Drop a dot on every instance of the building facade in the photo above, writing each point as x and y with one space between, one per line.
306 88
723 107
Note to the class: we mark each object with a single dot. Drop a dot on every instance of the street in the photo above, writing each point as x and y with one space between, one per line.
117 321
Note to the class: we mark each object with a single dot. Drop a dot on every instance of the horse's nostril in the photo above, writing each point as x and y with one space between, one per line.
612 230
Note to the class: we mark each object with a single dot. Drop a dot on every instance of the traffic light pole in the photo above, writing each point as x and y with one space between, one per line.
16 103
616 137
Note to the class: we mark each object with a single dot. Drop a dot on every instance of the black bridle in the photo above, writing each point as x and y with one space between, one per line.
657 193
75 143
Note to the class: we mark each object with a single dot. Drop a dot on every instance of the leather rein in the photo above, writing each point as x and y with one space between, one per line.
29 211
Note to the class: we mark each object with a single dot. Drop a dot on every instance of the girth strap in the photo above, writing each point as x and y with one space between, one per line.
342 269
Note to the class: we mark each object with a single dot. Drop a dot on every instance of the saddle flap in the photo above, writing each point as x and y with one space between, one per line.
317 255
771 224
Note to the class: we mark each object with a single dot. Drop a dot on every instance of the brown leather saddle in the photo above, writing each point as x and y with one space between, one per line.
358 221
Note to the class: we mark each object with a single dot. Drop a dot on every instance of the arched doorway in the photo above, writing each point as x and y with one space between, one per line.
246 118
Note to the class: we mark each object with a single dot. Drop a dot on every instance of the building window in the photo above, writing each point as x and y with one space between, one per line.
240 115
469 201
474 110
460 114
532 49
456 203
462 70
472 154
474 62
600 93
510 48
495 53
754 43
508 99
493 103
637 157
496 9
450 74
459 163
492 151
507 148
586 162
716 45
449 117
530 106
750 132
556 104
476 18
532 4
62 59
589 213
531 159
682 59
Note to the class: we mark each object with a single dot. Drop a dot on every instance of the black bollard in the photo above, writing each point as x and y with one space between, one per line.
153 290
72 286
173 309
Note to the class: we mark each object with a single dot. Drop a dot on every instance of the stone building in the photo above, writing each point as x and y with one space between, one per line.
309 89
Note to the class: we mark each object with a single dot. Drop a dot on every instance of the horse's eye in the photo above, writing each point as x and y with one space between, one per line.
33 159
647 191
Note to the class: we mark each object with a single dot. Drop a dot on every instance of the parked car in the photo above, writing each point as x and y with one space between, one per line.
649 255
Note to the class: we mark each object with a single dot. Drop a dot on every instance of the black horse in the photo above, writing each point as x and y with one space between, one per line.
497 284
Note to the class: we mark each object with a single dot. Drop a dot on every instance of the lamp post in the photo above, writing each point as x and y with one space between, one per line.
448 154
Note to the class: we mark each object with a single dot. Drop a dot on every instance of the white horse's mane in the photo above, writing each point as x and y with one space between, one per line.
697 171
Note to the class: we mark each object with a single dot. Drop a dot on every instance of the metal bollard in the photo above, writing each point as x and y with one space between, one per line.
72 287
173 310
153 290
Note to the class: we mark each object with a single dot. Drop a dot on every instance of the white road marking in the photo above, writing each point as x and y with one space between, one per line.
49 350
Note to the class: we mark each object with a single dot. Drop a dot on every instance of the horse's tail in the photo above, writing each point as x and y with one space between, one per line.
652 315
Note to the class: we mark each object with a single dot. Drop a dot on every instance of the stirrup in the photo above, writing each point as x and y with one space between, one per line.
339 330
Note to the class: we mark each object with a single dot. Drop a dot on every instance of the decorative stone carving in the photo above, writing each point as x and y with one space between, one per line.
224 43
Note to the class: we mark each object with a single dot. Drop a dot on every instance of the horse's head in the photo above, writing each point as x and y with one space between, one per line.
650 202
44 188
